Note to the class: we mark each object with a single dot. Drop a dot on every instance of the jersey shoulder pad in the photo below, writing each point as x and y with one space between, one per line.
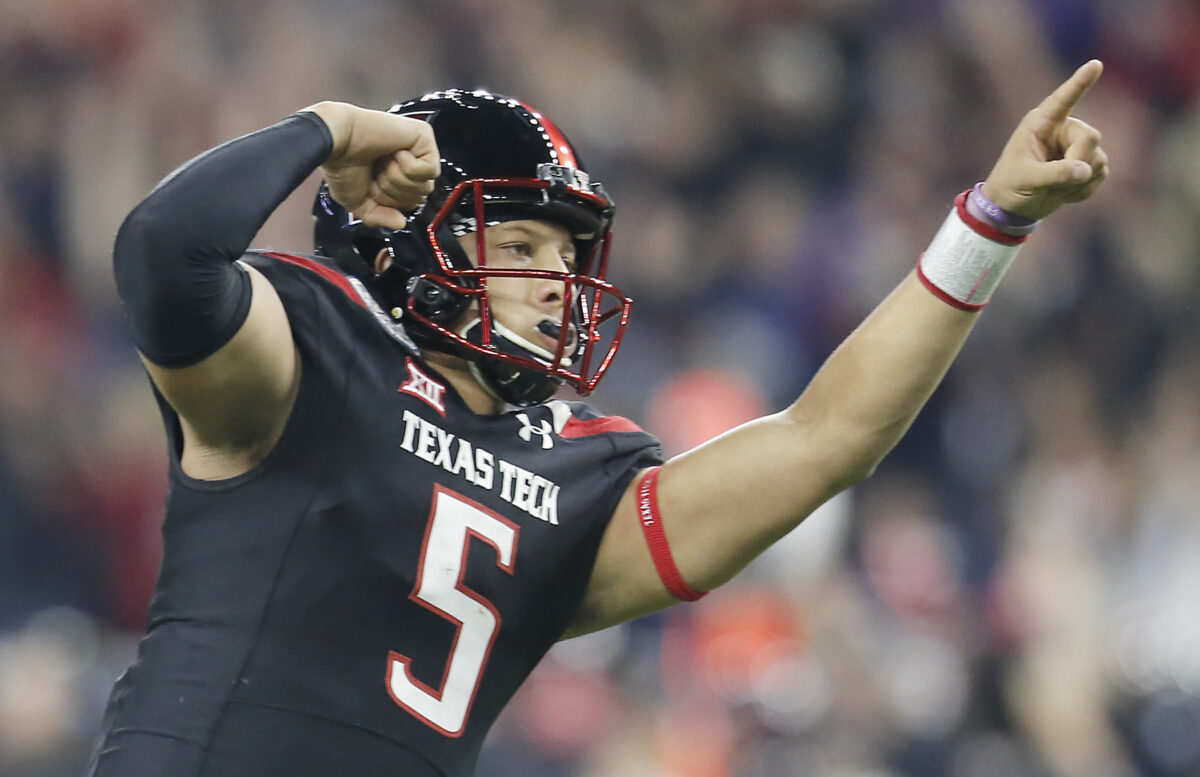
354 289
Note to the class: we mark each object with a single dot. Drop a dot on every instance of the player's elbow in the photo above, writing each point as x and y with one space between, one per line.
146 236
162 233
858 452
848 471
137 242
843 452
860 470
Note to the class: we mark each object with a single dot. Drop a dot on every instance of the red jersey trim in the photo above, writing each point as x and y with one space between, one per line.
656 539
334 277
576 427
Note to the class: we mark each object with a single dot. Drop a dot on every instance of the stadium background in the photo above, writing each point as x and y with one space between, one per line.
1013 593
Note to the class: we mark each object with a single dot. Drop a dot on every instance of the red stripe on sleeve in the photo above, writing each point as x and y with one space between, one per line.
576 427
334 277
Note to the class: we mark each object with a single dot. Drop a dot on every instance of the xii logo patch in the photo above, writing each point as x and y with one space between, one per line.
528 430
423 387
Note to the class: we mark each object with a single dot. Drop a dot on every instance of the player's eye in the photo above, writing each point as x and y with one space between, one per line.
519 250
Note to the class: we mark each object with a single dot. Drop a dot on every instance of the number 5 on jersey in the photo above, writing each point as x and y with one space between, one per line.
453 521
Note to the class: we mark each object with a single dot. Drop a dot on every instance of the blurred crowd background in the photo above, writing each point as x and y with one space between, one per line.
1015 592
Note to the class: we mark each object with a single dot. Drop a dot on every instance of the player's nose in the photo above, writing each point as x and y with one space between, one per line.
550 292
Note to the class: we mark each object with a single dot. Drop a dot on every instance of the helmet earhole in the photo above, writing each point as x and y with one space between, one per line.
433 300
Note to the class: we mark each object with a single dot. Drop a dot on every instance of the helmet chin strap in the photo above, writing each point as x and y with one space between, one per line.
512 336
528 345
512 384
473 365
482 381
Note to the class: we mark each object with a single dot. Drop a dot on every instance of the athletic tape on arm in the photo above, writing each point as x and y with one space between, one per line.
966 259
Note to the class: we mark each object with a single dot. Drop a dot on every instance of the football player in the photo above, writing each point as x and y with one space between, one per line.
379 518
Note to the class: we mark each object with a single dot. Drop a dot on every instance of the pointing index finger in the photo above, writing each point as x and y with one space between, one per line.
1061 102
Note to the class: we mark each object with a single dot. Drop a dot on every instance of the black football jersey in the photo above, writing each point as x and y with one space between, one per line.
394 568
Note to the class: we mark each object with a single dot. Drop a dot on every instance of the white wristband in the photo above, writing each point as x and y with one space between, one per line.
966 259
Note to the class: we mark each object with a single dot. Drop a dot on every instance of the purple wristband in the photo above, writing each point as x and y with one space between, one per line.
990 213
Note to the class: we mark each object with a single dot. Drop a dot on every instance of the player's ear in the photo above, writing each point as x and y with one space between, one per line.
383 260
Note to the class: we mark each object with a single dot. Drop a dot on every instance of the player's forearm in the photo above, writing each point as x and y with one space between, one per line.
727 501
871 389
174 254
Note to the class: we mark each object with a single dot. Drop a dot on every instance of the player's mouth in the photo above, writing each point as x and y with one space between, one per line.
542 342
549 332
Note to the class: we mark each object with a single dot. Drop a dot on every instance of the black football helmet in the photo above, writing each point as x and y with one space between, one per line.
501 160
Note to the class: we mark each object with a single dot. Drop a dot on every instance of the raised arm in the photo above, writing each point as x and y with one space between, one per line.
725 502
213 333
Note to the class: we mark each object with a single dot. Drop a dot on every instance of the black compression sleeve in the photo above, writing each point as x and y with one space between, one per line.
175 254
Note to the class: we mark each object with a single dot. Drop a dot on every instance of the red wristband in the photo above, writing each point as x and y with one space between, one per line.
656 539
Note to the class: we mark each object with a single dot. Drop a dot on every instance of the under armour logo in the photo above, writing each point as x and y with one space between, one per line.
528 430
424 387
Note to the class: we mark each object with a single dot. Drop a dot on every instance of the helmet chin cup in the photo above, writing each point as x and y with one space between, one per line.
509 382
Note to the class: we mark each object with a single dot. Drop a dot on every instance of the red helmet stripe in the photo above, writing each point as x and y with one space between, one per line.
562 149
419 115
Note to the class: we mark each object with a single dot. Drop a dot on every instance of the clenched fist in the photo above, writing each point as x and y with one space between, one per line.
381 164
